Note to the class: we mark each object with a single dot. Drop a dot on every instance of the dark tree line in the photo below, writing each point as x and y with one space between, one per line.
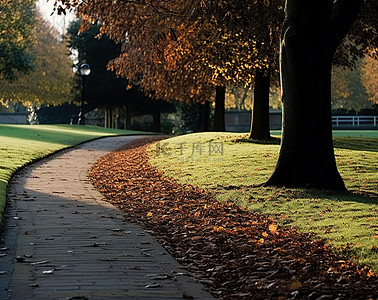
105 89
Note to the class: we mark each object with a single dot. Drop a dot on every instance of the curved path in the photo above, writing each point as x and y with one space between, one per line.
61 240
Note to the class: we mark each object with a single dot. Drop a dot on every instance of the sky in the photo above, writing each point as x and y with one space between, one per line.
59 22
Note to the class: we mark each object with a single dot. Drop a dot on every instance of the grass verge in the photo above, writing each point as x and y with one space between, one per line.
22 144
229 165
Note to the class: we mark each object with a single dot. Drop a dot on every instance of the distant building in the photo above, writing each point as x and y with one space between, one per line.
240 121
13 118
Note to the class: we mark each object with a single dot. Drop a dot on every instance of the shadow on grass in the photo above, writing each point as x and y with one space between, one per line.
350 143
271 141
349 196
356 143
364 197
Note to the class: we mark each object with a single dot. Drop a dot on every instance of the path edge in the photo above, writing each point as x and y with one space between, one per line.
56 152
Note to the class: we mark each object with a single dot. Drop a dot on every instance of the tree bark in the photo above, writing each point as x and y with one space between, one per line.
244 97
116 118
108 117
205 116
260 108
105 117
156 121
127 118
220 96
306 157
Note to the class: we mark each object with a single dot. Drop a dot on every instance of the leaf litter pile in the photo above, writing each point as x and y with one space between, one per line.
235 253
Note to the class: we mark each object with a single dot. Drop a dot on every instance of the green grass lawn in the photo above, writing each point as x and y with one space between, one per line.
21 144
229 165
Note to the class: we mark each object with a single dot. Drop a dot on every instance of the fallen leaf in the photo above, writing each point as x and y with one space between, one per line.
295 285
152 285
218 229
39 263
273 228
21 259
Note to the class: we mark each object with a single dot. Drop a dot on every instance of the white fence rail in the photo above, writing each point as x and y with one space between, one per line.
354 121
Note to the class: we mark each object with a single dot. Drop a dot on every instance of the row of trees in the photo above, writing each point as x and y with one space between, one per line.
190 50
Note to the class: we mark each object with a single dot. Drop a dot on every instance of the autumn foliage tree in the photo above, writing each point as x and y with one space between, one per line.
17 20
349 91
369 77
50 81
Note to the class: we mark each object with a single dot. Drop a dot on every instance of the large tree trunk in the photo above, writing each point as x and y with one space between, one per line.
108 116
205 116
127 118
312 31
220 96
116 118
156 121
260 108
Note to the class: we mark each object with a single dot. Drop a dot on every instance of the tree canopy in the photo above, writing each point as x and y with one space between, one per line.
50 81
17 20
182 50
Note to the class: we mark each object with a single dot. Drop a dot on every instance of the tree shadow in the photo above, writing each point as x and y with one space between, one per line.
356 143
364 197
271 141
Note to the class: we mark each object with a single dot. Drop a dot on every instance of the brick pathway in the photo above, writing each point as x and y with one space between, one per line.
61 240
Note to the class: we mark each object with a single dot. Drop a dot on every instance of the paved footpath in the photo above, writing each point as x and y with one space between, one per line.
61 240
